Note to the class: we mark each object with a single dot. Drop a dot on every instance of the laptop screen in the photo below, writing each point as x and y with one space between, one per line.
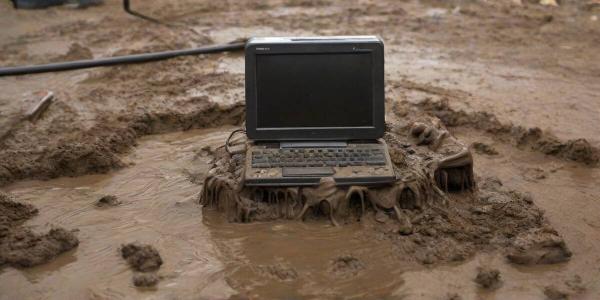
314 90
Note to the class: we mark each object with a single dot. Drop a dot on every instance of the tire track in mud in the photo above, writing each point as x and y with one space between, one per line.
535 139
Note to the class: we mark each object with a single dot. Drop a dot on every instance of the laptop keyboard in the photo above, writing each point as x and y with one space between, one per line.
318 157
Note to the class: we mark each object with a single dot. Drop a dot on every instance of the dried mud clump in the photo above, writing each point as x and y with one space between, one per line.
21 247
539 246
488 278
141 258
144 259
107 201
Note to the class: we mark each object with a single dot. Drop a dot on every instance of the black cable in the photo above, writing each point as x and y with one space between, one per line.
229 138
127 9
126 59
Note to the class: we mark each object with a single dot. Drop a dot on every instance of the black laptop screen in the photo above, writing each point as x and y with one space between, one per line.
314 90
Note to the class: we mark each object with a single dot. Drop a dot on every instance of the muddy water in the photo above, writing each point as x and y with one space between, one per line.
158 208
208 258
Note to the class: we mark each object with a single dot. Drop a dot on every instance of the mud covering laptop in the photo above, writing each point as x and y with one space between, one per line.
314 109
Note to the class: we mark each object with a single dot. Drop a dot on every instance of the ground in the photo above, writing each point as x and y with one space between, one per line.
521 79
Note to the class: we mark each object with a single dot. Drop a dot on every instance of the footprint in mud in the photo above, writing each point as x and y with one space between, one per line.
346 266
142 258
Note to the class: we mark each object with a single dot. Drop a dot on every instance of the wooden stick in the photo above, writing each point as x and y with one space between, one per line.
36 112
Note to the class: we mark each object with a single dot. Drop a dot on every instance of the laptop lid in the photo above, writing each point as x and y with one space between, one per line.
318 88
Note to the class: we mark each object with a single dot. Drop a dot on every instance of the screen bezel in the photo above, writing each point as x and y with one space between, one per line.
374 47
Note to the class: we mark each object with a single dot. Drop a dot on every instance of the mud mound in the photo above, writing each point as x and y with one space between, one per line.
494 217
578 150
141 258
97 150
12 212
488 278
433 214
19 246
539 246
145 259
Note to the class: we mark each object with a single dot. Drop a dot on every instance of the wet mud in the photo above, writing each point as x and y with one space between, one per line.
470 73
488 278
20 246
579 150
435 213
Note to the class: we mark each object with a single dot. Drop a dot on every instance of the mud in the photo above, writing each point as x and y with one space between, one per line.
278 271
417 214
525 65
579 150
346 266
488 278
145 279
19 245
141 257
483 148
107 201
554 293
97 150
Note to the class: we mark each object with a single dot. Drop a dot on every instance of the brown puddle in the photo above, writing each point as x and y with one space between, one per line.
212 259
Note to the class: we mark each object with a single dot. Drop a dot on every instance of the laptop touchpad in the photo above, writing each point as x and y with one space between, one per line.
307 172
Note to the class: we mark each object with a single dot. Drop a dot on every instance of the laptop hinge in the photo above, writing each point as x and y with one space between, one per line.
313 144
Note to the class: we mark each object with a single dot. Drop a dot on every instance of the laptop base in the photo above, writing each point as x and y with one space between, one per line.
344 175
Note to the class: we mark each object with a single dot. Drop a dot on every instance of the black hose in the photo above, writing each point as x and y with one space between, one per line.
127 9
127 59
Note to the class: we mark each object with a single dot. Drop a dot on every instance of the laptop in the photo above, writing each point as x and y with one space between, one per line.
314 109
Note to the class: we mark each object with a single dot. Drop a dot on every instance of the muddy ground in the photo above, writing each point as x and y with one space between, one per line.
521 83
